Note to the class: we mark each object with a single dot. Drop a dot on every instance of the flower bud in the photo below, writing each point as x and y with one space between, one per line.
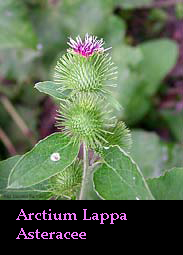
67 182
83 119
85 68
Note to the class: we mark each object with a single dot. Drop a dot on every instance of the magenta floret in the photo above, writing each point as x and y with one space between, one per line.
87 47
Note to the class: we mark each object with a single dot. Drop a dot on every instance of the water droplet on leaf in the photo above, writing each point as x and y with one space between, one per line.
39 46
55 156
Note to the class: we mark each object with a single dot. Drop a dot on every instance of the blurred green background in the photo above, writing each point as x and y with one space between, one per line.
147 46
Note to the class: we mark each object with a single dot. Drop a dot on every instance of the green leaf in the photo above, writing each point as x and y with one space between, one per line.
138 105
36 192
159 58
91 192
174 120
130 91
50 88
175 159
5 168
159 155
114 30
38 164
15 29
148 152
140 72
120 178
169 186
81 17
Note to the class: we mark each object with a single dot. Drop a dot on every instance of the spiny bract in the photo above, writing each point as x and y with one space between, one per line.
84 120
79 74
120 135
66 183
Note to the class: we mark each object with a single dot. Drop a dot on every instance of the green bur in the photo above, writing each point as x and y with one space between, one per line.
80 74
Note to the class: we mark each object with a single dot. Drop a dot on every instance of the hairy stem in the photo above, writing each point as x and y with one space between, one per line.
86 174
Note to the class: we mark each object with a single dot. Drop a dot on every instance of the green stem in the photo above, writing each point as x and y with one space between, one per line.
86 174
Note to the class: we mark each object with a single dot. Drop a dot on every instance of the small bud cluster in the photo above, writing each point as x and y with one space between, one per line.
67 182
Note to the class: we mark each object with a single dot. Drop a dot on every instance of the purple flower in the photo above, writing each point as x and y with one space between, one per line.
87 47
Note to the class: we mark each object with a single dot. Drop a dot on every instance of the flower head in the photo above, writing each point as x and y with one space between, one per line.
87 47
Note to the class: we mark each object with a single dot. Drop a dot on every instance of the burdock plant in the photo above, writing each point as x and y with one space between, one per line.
82 81
86 71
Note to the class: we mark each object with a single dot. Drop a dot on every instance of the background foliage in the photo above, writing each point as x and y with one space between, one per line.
147 48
